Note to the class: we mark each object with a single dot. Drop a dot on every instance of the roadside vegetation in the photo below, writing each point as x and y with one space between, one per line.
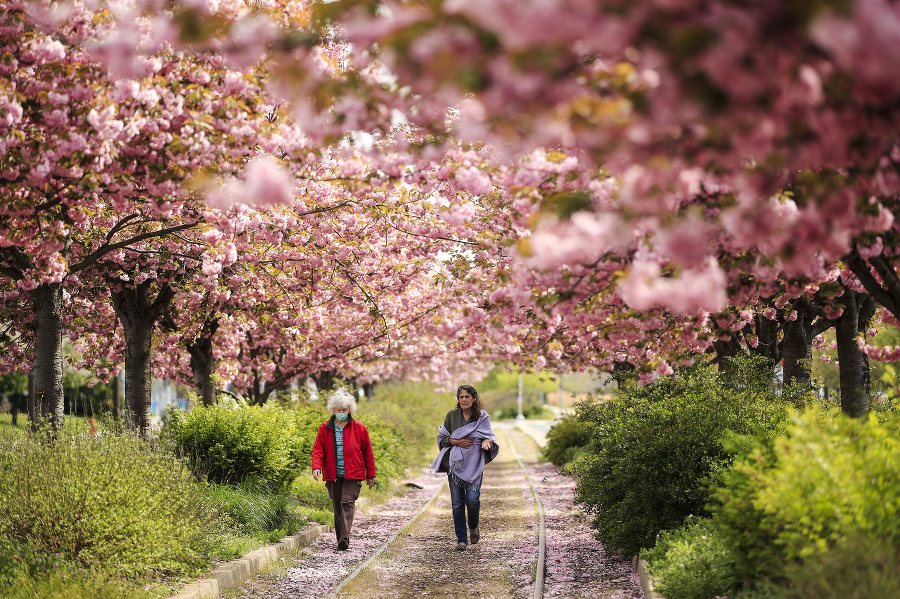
95 512
729 486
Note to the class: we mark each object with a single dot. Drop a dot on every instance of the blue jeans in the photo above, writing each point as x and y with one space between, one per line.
462 499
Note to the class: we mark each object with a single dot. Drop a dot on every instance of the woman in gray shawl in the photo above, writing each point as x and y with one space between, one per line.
467 443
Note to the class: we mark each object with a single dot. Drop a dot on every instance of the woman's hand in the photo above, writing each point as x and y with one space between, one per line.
370 482
464 443
486 444
317 474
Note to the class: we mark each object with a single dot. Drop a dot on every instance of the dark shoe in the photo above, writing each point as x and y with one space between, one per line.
474 535
460 546
344 544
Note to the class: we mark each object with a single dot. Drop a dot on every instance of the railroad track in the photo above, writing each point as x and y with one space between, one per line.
419 559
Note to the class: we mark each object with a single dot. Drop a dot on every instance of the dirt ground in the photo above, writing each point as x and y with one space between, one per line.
423 561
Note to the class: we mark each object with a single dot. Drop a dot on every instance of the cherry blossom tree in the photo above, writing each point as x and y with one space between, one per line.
94 165
658 175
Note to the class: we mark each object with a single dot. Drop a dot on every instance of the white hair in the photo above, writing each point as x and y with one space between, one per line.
341 399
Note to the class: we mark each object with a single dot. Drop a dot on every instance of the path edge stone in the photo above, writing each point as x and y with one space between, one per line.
236 572
640 568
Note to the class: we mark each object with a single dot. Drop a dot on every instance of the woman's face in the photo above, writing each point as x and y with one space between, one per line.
465 399
342 410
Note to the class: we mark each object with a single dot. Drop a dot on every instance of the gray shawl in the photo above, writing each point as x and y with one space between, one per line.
467 464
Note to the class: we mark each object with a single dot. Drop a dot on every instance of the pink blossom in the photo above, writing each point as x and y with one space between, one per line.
44 49
663 369
690 291
833 312
460 214
473 180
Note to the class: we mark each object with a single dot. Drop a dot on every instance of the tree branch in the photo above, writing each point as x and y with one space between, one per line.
107 248
890 297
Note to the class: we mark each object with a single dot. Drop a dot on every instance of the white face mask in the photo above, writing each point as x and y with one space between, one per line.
341 416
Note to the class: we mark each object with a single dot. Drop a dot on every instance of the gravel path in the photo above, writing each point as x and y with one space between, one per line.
422 560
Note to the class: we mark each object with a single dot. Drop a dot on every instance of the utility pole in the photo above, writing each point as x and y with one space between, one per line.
560 393
520 416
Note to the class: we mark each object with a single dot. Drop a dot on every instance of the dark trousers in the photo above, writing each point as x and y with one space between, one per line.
344 494
462 500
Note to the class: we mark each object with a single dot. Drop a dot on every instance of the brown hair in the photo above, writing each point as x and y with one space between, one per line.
477 406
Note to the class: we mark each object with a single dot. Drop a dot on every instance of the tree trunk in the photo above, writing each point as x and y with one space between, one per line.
325 380
32 409
724 350
767 333
116 398
796 351
138 315
854 364
138 376
796 347
202 368
256 390
47 299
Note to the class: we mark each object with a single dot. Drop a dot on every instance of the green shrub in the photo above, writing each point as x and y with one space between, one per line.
253 506
831 481
565 439
311 493
389 449
510 410
655 454
853 569
87 498
60 584
230 444
690 562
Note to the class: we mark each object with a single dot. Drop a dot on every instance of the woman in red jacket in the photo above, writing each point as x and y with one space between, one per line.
342 456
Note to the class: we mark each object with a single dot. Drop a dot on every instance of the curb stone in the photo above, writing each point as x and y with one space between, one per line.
640 568
236 572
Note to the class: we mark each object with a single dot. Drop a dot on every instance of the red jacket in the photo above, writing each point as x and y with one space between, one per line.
359 460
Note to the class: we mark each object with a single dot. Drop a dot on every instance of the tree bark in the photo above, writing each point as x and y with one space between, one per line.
32 408
325 380
138 315
767 333
725 350
887 291
203 367
116 398
854 364
796 348
47 299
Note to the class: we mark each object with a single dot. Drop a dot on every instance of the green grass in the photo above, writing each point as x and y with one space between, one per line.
6 422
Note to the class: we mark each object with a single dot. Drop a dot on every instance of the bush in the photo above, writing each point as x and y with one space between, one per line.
656 453
252 506
311 493
854 569
228 445
690 562
510 410
389 449
56 584
565 439
804 502
86 498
